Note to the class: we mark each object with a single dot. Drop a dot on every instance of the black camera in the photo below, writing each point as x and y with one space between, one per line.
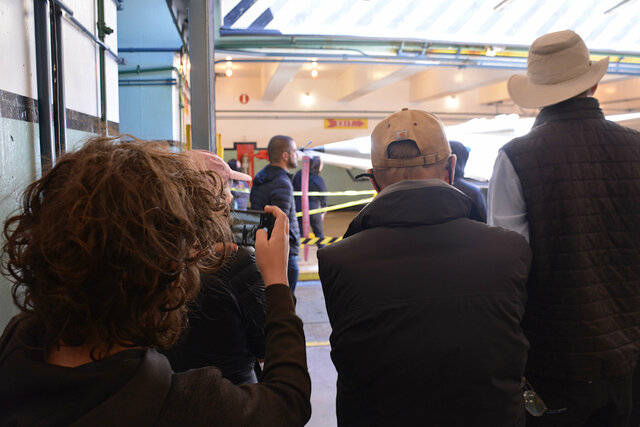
244 225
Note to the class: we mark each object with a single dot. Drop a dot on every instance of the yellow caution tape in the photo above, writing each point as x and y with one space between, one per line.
317 193
338 207
328 193
336 193
318 241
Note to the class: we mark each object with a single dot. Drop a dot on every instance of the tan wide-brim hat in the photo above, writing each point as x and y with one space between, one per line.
558 68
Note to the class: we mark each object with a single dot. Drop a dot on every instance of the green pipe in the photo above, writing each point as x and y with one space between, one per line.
366 46
102 31
139 70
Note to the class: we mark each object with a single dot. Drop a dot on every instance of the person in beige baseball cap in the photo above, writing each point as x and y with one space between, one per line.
420 291
410 144
571 187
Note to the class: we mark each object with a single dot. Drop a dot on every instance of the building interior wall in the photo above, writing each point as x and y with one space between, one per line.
19 137
149 111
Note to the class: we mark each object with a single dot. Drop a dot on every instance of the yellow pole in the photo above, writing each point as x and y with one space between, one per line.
188 132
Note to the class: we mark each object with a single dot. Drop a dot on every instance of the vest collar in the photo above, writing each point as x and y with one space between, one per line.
571 109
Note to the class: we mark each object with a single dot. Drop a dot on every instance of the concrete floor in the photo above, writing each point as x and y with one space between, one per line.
312 311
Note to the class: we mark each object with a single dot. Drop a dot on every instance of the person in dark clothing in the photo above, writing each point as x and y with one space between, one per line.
272 186
104 256
316 183
473 192
240 198
424 300
571 186
226 321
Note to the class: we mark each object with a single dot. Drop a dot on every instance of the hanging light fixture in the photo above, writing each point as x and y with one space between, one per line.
229 71
307 99
314 68
452 101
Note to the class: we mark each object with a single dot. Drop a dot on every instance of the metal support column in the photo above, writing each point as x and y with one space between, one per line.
47 158
57 60
201 50
102 31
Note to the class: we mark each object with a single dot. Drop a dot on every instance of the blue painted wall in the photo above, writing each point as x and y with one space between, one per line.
147 111
147 23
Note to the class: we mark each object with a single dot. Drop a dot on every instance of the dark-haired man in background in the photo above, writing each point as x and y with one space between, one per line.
272 186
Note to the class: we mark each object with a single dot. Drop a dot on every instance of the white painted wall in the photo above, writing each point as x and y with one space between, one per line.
82 76
19 149
17 45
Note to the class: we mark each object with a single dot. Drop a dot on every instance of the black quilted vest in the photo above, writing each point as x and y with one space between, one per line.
580 177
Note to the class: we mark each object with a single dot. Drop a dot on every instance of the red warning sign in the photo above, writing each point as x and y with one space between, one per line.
244 98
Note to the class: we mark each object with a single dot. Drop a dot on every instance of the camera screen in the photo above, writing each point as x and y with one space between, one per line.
244 225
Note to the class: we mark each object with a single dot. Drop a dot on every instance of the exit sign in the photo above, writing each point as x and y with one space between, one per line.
346 124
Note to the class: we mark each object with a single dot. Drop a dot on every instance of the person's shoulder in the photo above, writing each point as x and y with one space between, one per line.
260 178
618 128
518 141
244 260
207 375
187 386
297 180
245 254
500 239
283 179
336 252
186 399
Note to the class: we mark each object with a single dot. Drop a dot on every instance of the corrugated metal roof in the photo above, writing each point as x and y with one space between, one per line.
477 22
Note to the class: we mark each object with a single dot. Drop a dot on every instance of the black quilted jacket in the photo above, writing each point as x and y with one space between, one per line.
226 322
580 177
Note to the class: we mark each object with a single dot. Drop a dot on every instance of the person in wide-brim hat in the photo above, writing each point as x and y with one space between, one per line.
570 186
558 68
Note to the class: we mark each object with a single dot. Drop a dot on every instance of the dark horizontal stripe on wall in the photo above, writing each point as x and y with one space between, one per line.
86 123
18 107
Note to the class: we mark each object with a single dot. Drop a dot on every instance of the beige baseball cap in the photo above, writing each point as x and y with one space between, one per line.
423 128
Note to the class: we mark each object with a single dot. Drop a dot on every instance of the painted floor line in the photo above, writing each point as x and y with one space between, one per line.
318 344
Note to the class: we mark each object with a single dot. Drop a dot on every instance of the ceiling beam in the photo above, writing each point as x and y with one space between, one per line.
440 82
619 91
276 78
494 93
358 80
